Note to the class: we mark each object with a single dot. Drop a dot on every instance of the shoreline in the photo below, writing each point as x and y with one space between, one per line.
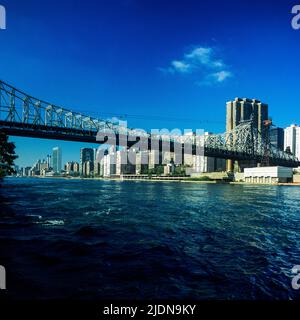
183 180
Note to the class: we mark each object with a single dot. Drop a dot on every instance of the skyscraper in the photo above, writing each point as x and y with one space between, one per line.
86 154
292 139
49 161
56 160
243 109
277 138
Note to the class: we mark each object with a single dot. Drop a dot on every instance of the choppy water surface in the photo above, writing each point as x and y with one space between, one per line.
109 239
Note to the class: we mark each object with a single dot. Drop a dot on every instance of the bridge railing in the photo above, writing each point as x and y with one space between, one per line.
17 106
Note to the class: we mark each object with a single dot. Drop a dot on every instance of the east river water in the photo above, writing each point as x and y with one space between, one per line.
86 239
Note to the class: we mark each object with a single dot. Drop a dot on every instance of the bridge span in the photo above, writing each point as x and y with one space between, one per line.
23 115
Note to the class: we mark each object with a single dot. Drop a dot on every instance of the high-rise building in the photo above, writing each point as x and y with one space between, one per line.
76 167
88 168
86 154
26 171
56 160
277 138
155 158
142 161
292 139
69 167
240 110
95 154
121 161
125 162
108 165
49 161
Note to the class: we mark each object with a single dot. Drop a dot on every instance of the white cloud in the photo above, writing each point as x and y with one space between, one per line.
200 55
222 75
203 62
215 78
181 66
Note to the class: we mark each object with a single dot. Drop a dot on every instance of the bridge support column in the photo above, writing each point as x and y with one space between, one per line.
229 165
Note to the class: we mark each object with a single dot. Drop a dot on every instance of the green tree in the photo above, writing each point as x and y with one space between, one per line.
7 155
179 171
159 170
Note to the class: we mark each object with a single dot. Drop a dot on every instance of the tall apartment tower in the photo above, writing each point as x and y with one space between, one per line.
56 160
86 154
241 109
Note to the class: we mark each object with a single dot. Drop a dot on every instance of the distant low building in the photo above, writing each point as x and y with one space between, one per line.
47 173
268 175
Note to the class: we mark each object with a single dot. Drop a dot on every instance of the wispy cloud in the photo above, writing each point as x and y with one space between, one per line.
203 62
180 66
222 75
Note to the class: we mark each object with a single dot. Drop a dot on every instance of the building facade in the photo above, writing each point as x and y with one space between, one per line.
268 175
72 167
292 140
142 162
88 168
86 154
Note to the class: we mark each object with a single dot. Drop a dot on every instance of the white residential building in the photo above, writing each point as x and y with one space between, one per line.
108 164
292 139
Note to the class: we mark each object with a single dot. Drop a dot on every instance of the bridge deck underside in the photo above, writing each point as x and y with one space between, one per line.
76 135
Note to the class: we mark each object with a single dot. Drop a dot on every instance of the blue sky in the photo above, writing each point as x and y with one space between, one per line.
166 64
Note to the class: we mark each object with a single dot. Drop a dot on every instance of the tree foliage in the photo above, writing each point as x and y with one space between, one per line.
7 155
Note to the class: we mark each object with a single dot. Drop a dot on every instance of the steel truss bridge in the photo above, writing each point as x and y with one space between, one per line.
26 116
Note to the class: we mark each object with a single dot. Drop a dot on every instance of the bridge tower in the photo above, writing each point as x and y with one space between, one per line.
243 109
265 161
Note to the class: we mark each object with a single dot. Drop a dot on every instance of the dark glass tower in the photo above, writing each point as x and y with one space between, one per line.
277 138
